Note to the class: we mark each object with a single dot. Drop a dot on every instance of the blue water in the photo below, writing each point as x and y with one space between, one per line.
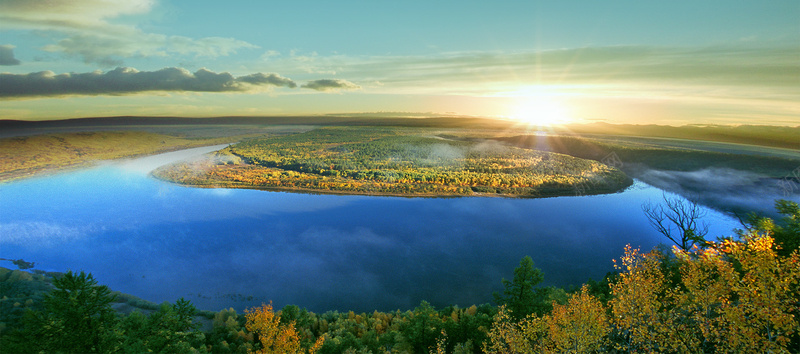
225 248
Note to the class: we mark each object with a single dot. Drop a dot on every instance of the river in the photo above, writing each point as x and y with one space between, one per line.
238 248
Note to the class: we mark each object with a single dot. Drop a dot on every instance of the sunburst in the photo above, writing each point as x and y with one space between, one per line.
541 111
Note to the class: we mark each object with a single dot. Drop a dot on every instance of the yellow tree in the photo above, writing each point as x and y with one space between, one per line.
638 304
706 278
509 336
763 315
733 296
580 326
274 336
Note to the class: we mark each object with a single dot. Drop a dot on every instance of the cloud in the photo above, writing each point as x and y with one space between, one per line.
67 14
267 79
736 82
331 85
122 81
7 55
741 66
109 50
84 28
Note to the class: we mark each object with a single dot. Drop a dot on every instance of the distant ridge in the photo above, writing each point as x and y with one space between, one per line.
763 135
248 120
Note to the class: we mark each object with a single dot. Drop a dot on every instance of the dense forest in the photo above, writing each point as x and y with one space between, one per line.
371 160
738 294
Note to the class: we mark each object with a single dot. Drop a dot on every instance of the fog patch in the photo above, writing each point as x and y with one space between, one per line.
145 165
723 189
453 156
489 147
444 153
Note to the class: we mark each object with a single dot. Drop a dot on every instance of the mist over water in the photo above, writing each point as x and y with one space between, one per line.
147 164
224 248
727 190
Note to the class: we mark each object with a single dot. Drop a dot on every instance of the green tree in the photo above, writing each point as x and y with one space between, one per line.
519 296
423 328
77 318
170 329
786 231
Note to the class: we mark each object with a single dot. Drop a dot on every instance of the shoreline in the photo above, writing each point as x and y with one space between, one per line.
627 185
18 175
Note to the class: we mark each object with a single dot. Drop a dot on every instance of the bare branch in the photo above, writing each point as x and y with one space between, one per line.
678 220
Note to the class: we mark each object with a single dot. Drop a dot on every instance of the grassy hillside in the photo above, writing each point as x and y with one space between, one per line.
29 155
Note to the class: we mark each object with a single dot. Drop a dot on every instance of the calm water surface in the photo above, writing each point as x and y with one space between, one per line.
224 248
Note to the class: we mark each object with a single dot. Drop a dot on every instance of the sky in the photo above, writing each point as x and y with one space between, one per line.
641 62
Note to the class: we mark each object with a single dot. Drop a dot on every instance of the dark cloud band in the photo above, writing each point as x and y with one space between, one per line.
122 81
331 85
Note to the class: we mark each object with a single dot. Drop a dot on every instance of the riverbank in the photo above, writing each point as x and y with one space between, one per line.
31 156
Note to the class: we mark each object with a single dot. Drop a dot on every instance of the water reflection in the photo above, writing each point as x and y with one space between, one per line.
238 248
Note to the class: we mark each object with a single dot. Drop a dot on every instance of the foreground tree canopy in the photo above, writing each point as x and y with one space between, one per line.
368 160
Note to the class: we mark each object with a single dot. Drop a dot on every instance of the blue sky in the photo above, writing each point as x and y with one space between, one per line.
676 62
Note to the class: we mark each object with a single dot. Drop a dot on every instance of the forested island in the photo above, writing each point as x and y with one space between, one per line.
396 161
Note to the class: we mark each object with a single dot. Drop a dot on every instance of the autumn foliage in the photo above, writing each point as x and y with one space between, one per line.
274 336
397 161
732 296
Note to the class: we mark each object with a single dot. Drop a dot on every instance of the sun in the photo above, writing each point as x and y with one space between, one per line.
541 111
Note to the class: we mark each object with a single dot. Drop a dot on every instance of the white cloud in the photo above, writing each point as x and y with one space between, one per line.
67 14
85 28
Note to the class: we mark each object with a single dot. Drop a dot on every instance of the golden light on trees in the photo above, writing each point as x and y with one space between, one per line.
273 336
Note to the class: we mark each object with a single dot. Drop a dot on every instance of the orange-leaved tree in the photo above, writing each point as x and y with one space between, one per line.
732 296
638 304
755 295
274 336
510 336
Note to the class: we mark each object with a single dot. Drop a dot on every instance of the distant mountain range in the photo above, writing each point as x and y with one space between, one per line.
764 135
